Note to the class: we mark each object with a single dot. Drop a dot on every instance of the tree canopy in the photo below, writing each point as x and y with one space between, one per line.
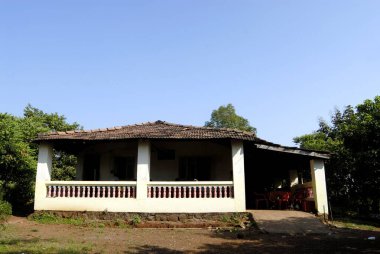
226 117
353 138
18 155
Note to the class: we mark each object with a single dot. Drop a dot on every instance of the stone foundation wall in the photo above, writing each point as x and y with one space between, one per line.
173 217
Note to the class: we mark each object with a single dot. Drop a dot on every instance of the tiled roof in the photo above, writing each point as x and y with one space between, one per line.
155 130
164 130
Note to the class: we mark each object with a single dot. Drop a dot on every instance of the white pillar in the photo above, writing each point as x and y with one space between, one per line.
238 175
143 168
44 167
317 168
293 175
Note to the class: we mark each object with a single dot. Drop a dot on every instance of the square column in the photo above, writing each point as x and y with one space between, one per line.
143 169
44 167
317 168
237 149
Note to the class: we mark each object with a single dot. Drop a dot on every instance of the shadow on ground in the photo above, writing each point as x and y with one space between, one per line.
340 241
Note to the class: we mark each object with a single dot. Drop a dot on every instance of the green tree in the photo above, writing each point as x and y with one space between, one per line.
226 117
353 172
18 154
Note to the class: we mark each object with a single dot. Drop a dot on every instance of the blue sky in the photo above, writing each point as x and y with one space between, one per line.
282 64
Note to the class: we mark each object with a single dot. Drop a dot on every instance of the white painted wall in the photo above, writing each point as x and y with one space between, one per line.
237 150
293 176
317 168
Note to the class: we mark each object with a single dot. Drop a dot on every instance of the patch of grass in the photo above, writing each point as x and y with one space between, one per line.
356 224
241 220
47 218
37 246
120 223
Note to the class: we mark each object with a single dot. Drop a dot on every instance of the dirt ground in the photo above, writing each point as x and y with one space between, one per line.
23 236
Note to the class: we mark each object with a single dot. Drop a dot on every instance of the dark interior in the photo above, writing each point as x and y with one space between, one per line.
265 168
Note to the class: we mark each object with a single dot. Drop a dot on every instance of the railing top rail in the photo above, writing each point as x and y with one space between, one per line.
93 183
190 183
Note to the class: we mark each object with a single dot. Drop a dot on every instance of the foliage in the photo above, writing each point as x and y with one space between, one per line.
136 219
226 117
18 154
353 173
5 210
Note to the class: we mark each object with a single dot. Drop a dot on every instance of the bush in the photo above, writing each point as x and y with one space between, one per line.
5 210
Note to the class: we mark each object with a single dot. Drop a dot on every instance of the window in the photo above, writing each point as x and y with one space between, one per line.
194 168
124 168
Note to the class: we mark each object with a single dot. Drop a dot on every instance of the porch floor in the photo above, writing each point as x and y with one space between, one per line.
288 222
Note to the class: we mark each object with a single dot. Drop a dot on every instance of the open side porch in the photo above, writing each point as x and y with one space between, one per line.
284 179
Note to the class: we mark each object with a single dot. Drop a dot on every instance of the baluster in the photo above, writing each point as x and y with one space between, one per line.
48 191
113 191
219 192
119 191
153 194
108 192
159 191
179 192
149 191
59 191
63 191
224 191
164 192
103 192
123 194
88 192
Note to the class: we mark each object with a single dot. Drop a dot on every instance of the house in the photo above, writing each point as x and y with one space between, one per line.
159 167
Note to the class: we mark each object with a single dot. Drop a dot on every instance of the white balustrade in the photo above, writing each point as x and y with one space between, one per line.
197 189
90 189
